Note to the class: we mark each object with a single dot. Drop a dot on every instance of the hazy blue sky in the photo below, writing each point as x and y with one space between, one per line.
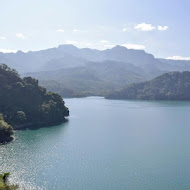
161 27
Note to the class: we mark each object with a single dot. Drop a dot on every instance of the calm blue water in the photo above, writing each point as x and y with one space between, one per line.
105 145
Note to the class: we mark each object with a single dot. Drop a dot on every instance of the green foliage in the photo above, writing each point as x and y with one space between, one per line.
6 130
5 176
169 86
4 185
19 117
24 103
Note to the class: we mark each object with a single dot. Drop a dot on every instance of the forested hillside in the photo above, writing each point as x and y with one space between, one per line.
23 103
169 86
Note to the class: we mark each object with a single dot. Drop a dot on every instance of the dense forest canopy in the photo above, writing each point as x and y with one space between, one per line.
169 86
24 103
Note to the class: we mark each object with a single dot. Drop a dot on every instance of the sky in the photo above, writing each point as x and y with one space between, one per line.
159 27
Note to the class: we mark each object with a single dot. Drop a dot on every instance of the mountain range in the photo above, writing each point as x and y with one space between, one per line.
72 72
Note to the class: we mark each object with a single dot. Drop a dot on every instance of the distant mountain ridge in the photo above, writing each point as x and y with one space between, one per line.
39 60
65 56
86 71
92 79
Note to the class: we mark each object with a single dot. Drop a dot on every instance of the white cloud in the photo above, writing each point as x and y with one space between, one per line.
8 50
148 27
86 44
102 45
162 28
61 30
104 41
134 46
20 36
145 27
125 29
76 30
108 46
71 42
3 38
177 57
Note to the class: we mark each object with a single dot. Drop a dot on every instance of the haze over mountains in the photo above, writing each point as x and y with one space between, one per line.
71 71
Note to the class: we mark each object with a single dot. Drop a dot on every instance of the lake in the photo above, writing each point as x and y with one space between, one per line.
105 145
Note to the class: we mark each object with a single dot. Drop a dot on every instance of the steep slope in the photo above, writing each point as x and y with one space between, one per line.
169 86
24 103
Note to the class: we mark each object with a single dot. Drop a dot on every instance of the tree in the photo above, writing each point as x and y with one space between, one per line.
4 184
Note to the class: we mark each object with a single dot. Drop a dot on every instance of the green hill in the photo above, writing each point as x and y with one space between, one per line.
169 86
24 103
